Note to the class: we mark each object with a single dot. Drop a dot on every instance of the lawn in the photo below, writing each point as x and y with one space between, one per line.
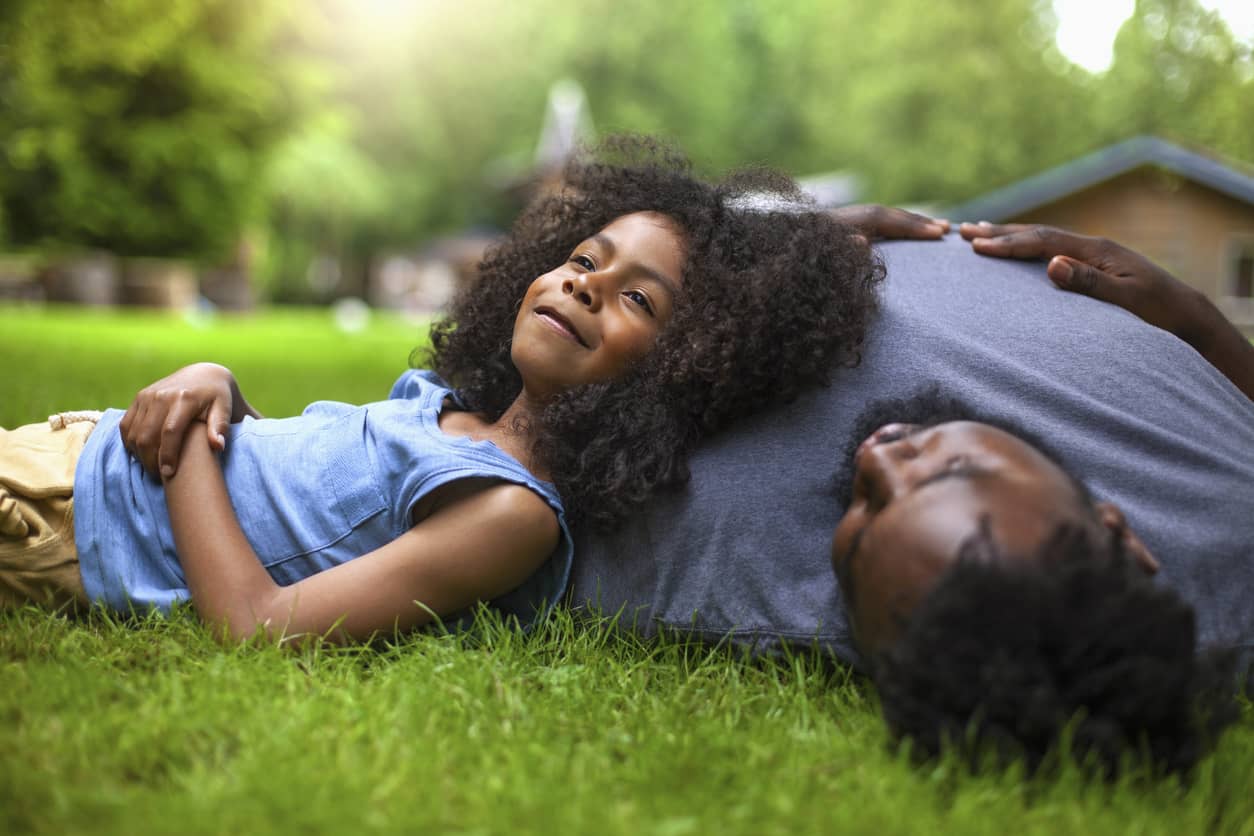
147 725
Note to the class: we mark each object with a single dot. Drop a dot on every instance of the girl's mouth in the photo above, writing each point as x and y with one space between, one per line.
560 324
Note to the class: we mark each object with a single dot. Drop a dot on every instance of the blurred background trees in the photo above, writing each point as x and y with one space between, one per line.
319 133
140 126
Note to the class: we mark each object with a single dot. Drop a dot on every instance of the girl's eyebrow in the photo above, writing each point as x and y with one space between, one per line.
666 281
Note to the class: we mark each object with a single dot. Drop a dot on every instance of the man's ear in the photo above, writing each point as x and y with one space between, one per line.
1113 519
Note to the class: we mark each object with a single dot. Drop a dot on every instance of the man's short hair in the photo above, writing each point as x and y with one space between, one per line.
1002 657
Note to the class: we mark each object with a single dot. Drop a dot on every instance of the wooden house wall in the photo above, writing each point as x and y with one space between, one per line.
1190 229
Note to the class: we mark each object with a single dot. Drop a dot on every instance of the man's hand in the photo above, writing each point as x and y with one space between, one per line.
1099 268
875 221
1104 270
161 414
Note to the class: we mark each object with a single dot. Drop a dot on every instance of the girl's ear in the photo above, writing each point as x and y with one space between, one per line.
1113 519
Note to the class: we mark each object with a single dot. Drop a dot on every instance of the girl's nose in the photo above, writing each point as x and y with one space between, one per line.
586 292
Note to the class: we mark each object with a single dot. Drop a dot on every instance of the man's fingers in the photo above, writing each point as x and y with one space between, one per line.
900 223
928 230
1030 241
1079 277
984 229
903 224
875 221
1024 242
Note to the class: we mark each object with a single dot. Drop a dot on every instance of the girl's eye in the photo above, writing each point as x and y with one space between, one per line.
584 262
640 299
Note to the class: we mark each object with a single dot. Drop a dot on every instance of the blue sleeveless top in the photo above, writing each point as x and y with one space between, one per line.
311 492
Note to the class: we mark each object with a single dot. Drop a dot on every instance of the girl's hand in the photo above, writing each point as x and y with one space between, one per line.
875 221
1102 269
160 415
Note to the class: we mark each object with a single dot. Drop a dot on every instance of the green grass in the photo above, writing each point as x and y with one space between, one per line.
147 725
70 358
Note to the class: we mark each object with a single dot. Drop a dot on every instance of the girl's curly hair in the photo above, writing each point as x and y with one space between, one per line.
774 293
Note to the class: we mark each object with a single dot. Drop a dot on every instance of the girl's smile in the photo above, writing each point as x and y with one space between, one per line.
590 318
560 325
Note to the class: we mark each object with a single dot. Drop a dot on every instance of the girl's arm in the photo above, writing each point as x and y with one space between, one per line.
1105 270
160 415
473 549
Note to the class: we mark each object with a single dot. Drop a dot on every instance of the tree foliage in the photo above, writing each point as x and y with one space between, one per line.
1180 73
140 126
349 127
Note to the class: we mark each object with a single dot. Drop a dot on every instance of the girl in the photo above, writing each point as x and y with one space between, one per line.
623 320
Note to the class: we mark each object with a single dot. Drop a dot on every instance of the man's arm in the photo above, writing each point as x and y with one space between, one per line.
1104 270
473 549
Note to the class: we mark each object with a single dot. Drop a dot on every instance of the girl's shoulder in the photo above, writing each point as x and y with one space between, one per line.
423 385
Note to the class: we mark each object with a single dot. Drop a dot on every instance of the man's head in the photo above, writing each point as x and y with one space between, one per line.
925 477
997 602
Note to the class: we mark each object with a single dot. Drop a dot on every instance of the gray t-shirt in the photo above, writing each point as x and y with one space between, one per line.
1136 413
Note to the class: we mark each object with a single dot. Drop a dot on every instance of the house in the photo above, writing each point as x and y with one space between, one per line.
1192 213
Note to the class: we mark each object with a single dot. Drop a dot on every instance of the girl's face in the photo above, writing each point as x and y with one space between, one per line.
590 318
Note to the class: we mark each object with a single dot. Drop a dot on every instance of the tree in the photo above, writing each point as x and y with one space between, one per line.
141 126
1179 72
168 127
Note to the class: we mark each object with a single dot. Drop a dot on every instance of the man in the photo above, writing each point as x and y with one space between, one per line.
1143 419
997 602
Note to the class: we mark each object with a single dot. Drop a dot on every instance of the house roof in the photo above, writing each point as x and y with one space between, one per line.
1102 165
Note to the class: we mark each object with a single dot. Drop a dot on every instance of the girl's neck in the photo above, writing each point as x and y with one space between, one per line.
512 432
516 427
